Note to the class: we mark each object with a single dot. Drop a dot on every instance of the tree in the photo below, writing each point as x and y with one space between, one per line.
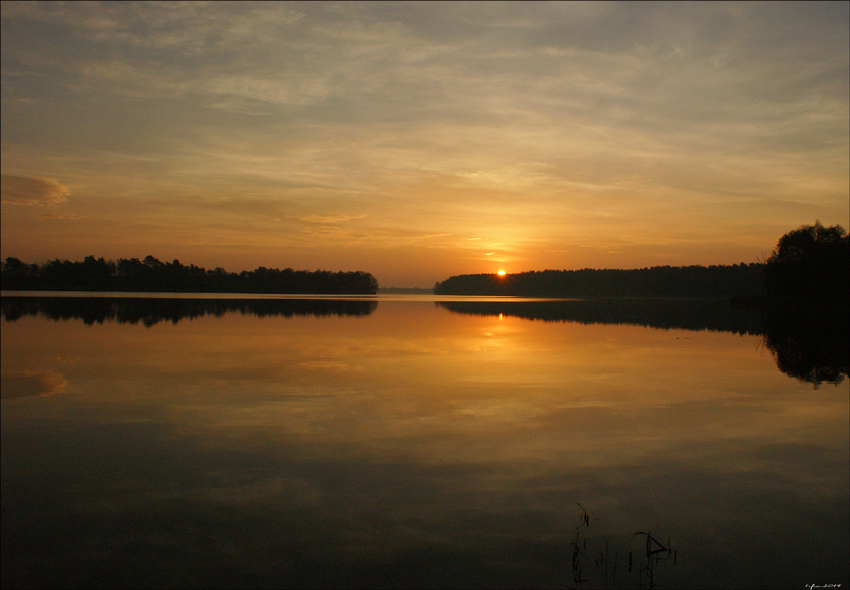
810 262
17 274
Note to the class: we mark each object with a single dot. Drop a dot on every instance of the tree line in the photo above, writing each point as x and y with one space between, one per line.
152 275
810 263
658 281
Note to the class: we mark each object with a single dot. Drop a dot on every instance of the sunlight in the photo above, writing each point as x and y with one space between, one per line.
501 273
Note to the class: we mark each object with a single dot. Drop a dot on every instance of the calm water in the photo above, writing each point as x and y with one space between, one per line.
403 442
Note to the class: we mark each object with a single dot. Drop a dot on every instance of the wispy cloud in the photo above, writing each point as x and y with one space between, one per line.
332 218
25 190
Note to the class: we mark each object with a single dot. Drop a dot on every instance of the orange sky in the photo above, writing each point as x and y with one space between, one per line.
417 141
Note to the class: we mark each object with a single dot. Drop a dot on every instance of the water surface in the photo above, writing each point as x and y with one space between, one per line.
402 442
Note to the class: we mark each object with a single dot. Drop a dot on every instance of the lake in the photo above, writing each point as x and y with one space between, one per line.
416 442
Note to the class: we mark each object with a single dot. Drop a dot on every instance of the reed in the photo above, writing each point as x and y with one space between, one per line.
642 566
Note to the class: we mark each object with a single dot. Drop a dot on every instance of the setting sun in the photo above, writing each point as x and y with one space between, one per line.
501 273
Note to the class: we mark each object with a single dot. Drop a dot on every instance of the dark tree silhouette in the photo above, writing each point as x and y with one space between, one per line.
810 262
152 275
17 275
738 280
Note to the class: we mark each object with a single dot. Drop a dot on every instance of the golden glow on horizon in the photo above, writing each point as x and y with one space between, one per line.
406 144
501 273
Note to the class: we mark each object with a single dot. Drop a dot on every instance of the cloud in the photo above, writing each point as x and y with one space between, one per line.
324 230
26 190
329 218
61 216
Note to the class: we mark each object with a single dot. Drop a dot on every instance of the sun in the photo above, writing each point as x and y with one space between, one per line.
501 273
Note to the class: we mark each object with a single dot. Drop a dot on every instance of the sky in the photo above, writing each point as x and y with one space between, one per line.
417 141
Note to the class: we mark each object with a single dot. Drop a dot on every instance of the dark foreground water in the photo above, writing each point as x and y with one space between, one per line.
402 442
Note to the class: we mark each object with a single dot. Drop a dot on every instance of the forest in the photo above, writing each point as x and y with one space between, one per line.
151 275
810 263
659 281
